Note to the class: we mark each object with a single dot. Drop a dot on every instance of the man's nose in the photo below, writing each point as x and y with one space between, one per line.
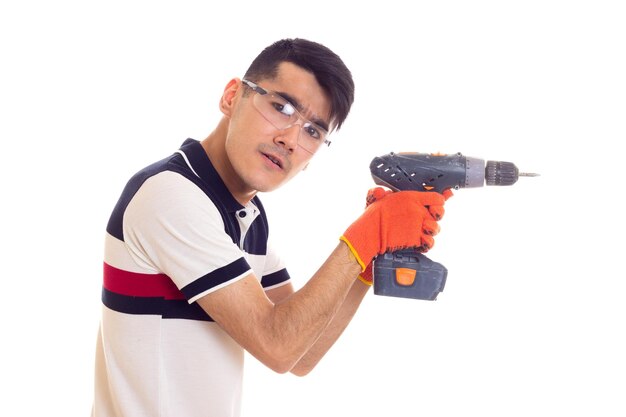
288 136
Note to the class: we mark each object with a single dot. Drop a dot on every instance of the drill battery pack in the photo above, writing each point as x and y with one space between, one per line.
408 274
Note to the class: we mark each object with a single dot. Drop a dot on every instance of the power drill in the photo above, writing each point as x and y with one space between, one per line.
408 273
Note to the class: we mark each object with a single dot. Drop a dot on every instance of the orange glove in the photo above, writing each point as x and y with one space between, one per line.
392 221
376 194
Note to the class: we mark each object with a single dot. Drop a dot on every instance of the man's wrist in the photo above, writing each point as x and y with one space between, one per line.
354 256
348 253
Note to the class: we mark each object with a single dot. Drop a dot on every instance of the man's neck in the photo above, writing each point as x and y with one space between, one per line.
215 147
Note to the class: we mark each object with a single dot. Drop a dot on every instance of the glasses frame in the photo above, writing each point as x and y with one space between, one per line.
261 91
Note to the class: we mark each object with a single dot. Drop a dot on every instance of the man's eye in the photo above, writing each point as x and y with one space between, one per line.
284 108
313 132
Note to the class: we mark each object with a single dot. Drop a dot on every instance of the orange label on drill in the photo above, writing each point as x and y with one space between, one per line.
405 276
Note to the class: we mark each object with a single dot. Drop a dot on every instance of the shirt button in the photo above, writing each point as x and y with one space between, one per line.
242 213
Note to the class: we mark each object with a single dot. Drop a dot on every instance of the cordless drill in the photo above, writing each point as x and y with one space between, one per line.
408 273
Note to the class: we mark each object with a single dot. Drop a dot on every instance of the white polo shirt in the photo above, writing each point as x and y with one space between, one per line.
175 235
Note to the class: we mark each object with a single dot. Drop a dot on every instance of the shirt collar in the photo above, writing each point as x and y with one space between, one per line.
201 165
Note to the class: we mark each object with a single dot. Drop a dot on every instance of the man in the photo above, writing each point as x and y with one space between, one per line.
190 280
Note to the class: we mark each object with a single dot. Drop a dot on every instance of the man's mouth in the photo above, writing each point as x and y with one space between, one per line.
275 160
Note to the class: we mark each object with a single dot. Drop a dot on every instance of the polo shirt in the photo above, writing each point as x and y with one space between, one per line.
175 235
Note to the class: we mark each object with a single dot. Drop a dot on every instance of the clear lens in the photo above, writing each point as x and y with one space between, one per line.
282 115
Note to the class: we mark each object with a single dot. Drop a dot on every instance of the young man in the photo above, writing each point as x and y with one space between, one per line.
190 280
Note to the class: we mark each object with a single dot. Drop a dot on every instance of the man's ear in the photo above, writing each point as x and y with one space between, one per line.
229 96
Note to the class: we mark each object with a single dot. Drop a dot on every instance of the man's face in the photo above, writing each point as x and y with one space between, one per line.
263 156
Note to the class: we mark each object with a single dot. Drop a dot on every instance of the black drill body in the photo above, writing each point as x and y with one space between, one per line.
408 273
436 172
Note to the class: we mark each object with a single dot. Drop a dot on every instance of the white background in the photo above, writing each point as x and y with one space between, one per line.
532 318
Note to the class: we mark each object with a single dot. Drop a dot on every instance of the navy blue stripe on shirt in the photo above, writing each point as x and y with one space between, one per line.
167 309
274 278
216 277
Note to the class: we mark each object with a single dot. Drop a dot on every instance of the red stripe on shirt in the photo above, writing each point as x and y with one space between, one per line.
140 285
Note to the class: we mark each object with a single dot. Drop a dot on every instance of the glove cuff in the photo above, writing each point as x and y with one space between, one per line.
365 280
354 252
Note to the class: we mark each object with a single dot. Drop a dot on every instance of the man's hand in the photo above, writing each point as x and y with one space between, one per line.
392 221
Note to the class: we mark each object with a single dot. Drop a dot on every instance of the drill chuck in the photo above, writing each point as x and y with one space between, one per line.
504 173
501 173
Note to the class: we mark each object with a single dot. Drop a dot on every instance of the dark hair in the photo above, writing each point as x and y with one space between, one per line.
329 70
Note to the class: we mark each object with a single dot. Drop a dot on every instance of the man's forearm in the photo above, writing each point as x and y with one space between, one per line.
280 334
335 328
308 313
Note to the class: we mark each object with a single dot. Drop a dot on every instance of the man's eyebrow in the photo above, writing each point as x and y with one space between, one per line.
321 123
